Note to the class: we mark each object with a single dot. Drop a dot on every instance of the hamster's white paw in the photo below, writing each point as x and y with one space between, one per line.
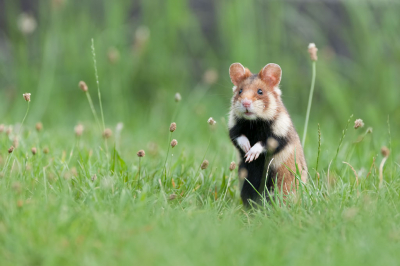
254 152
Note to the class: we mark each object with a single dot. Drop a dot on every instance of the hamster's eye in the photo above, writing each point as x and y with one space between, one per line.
240 91
260 91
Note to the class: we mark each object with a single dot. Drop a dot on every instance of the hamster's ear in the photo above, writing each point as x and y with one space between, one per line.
238 73
271 74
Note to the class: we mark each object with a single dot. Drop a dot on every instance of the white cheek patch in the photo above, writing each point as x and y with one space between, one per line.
281 125
234 88
282 156
270 113
237 108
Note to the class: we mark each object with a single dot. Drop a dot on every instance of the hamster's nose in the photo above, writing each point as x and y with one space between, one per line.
246 103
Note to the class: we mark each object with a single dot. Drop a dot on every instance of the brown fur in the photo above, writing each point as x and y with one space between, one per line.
286 179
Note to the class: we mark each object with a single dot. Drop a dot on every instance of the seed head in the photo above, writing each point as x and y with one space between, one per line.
232 166
172 127
178 97
46 150
385 151
141 153
39 126
204 165
172 196
27 97
20 203
9 130
120 126
174 142
312 50
79 130
11 149
2 127
56 4
210 76
83 86
107 133
113 55
16 186
211 121
358 123
26 23
34 151
94 177
142 35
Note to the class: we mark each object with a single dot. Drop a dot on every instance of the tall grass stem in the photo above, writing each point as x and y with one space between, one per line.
19 131
93 110
164 172
98 83
314 73
342 138
319 148
23 120
99 93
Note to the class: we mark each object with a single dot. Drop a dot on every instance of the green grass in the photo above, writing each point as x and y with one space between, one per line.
52 212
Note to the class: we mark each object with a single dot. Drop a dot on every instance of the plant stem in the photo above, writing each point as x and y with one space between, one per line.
341 139
23 120
139 167
314 70
319 147
98 92
98 84
164 172
19 131
93 110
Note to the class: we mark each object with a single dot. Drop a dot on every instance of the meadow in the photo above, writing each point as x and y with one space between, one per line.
76 190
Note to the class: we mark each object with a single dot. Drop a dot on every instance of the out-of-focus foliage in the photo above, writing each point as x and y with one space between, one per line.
148 50
83 199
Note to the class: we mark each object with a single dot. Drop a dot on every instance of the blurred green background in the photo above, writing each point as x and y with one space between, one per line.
148 50
84 202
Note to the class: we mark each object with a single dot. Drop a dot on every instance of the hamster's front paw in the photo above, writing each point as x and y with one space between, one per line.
254 152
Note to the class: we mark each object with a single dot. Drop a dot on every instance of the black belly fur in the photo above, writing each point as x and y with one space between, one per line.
256 131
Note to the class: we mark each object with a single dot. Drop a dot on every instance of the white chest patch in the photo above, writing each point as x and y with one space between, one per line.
281 125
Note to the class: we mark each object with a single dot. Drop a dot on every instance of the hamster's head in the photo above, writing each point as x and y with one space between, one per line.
255 96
